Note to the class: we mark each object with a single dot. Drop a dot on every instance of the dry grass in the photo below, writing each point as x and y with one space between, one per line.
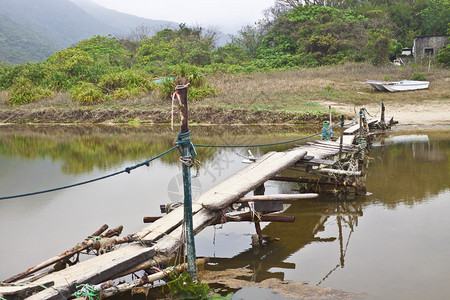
343 84
306 91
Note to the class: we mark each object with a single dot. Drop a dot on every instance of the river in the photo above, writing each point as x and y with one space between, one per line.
392 243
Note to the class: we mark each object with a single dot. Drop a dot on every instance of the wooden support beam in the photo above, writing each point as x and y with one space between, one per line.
247 217
310 181
278 197
341 172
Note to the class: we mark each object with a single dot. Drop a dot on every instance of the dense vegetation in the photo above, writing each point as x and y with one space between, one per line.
293 35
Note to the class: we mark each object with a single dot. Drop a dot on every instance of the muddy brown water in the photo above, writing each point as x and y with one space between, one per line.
393 243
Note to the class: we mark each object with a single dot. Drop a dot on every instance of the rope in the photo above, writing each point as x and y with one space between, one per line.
184 142
182 139
370 114
126 170
87 291
173 100
268 144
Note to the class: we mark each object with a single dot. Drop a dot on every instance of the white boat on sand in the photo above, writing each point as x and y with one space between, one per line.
398 86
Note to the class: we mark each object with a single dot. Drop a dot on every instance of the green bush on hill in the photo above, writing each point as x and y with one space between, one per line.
291 36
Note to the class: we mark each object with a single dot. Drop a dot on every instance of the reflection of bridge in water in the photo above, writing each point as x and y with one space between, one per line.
311 218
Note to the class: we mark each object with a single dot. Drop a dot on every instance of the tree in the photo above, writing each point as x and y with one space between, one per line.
435 17
192 45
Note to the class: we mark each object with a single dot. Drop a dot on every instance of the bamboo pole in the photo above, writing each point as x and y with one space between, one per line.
65 255
278 197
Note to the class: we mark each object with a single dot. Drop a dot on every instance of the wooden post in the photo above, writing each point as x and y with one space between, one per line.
341 138
185 143
331 120
360 125
260 190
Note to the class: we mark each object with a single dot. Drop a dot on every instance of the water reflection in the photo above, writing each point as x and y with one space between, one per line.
311 217
409 172
81 149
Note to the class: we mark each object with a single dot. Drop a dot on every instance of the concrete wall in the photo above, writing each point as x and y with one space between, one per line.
428 46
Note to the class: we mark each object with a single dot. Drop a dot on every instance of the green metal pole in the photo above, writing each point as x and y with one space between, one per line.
186 145
191 257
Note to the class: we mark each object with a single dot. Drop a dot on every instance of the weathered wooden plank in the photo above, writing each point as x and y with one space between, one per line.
348 139
325 151
166 225
316 162
171 242
23 291
318 154
352 129
93 271
248 179
331 144
321 147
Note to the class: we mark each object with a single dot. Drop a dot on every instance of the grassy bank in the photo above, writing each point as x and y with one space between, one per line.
288 96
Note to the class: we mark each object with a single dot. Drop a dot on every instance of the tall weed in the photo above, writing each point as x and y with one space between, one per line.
24 91
86 93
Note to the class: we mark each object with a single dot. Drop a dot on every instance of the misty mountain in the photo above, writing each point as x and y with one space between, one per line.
32 30
20 44
123 23
60 20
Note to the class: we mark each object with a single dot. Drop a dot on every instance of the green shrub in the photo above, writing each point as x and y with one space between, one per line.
196 78
418 76
443 56
166 88
201 92
121 93
184 287
128 79
86 93
24 91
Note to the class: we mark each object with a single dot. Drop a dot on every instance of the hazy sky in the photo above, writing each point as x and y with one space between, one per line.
228 15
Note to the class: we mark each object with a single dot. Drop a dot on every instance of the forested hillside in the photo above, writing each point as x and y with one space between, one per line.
105 68
60 20
19 44
59 24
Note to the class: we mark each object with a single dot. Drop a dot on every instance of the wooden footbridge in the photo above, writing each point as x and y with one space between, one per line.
157 243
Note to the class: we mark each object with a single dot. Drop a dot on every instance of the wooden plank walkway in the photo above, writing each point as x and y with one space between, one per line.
164 236
165 233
